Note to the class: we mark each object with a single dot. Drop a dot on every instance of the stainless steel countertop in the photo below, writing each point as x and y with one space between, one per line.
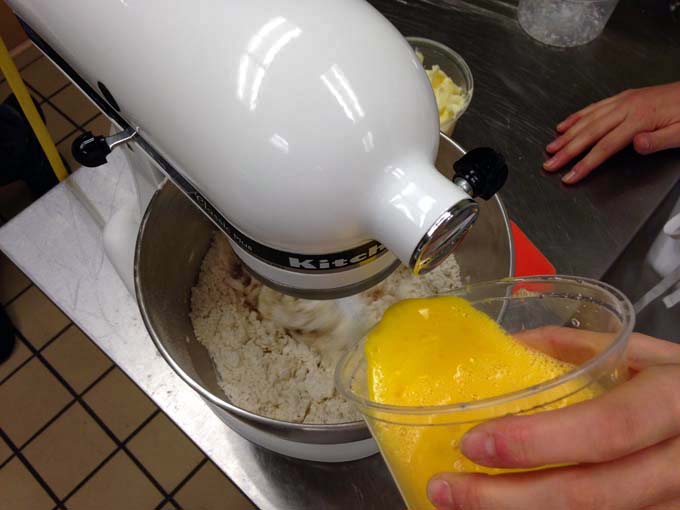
522 89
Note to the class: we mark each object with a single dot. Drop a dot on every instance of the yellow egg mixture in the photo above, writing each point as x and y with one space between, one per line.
439 351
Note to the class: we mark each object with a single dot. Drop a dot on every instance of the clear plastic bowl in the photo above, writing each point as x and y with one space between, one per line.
564 23
584 322
453 65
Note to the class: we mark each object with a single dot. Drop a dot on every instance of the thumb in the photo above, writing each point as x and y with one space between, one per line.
654 141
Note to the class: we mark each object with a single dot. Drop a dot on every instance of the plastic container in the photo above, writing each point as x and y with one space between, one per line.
453 65
588 325
564 23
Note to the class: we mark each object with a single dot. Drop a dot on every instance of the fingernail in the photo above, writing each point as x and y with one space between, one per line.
563 125
478 446
439 492
550 163
569 177
551 146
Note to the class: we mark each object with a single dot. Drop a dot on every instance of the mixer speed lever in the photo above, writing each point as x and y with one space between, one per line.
91 151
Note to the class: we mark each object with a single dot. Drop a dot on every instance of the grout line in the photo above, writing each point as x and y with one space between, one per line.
98 420
60 89
141 426
108 457
40 55
98 379
151 478
63 139
31 469
6 461
17 296
79 126
182 483
21 365
23 67
55 337
50 342
97 468
65 408
22 290
78 398
49 422
41 98
29 345
82 126
75 124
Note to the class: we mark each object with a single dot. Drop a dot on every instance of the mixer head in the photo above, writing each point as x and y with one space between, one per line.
480 173
321 176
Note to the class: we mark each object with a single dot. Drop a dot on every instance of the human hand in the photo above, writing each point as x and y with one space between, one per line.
648 117
626 444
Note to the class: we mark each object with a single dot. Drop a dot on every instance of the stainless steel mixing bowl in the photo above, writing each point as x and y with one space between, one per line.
173 239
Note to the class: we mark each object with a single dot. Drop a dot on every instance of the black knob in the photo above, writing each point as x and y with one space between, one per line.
485 171
90 150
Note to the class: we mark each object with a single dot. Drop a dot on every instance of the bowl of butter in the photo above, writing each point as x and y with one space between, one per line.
450 77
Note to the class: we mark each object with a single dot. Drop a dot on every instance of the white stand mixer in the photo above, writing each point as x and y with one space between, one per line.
305 129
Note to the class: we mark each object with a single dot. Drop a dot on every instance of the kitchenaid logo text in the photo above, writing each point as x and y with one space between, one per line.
287 260
344 259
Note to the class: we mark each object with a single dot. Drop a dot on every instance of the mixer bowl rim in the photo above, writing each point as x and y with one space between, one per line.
353 427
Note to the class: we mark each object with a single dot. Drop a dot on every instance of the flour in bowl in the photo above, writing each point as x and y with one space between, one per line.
274 354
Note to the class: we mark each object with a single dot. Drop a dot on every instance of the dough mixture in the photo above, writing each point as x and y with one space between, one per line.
274 354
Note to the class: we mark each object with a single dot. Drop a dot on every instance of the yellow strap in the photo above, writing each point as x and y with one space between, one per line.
21 92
